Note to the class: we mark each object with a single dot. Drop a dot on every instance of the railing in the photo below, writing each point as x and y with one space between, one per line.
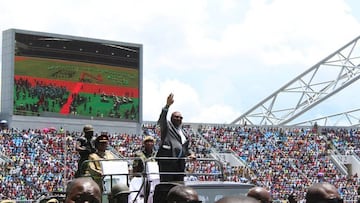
334 156
114 168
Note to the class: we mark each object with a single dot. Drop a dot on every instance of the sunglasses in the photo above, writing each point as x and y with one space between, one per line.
178 117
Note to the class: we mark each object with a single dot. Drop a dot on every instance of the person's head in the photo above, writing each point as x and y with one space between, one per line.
149 142
176 118
237 199
322 193
101 142
83 189
88 131
138 166
260 193
116 191
182 194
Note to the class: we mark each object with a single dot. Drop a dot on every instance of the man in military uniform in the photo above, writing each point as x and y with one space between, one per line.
136 183
95 169
85 147
144 154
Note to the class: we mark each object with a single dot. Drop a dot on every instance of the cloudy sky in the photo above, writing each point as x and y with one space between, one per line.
218 57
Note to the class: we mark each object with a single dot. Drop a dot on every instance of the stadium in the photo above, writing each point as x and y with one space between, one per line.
54 84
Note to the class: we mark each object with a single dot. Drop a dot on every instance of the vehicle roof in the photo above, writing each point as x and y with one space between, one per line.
217 183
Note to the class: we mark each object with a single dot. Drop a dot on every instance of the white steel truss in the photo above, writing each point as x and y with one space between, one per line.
315 85
348 119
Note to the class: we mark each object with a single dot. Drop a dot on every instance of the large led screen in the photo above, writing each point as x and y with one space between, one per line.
75 78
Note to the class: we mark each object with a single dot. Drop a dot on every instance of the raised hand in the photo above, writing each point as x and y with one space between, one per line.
170 99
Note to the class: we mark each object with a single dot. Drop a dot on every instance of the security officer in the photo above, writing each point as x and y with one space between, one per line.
95 169
85 147
144 154
136 184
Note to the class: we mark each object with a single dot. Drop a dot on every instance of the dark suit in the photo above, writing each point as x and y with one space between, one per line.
171 146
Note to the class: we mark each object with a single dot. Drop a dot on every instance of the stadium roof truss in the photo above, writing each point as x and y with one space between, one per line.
348 118
315 85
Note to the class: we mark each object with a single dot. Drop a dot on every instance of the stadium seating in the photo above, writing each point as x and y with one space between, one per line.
285 160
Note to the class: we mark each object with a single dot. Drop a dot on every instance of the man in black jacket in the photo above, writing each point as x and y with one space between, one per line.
174 143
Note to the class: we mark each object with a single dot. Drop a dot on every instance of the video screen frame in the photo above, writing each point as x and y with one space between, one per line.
73 77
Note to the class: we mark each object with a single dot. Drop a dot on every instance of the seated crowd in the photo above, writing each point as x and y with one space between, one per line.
285 161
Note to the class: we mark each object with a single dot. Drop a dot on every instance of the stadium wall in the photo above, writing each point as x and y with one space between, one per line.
24 122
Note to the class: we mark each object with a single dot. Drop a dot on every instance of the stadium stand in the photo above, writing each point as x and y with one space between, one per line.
284 160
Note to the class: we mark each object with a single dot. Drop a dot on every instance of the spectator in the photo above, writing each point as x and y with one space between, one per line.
260 193
174 143
83 189
181 193
85 147
322 192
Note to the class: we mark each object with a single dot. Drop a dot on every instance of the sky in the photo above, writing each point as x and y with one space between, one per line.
218 57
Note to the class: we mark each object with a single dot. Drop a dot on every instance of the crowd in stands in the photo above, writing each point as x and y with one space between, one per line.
284 160
345 140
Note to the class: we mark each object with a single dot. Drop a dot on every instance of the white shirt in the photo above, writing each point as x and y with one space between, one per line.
183 138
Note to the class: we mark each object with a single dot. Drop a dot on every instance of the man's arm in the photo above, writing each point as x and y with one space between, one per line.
162 119
80 145
94 165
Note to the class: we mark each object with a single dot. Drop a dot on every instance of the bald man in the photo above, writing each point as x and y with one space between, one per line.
83 189
260 193
322 192
182 193
175 143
